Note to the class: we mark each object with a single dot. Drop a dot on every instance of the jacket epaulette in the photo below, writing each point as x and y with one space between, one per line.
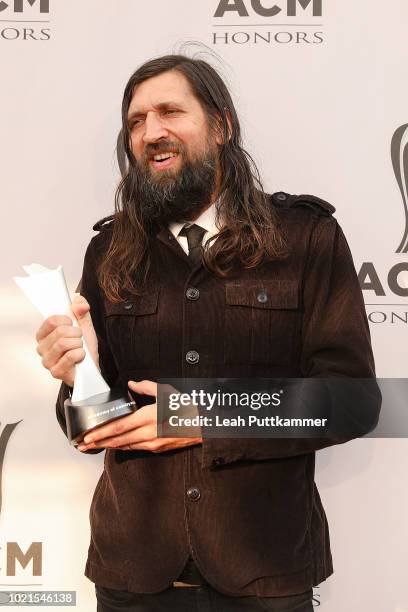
104 224
285 200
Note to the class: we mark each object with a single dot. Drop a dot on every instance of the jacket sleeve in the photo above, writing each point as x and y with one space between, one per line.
89 288
335 343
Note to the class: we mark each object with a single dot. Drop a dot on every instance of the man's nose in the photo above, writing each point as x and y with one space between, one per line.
154 128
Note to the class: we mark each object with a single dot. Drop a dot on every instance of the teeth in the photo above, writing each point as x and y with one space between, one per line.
164 156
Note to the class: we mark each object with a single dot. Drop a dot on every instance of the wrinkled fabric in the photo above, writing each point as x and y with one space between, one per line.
258 528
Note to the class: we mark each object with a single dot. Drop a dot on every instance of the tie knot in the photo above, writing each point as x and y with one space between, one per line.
194 234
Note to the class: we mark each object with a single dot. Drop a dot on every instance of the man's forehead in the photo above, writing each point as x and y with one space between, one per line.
171 86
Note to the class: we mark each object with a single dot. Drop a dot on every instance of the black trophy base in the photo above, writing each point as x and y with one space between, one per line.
82 417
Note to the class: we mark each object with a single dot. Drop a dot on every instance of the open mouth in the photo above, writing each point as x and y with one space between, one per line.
163 160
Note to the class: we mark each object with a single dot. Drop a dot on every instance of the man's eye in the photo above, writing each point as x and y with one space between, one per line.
170 111
136 123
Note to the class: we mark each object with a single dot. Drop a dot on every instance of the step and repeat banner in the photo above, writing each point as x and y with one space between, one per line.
322 93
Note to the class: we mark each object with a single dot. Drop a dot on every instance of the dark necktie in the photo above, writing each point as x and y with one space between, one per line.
194 234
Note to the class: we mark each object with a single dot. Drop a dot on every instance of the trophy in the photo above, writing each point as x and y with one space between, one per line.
92 402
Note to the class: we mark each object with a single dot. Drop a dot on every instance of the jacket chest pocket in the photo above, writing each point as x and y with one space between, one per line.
261 320
132 331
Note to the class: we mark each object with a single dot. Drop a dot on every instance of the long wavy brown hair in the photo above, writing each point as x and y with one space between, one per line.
249 233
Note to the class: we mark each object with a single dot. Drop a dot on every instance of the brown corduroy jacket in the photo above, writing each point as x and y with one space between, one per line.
258 526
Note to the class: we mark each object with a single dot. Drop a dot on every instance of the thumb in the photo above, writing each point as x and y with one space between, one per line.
80 307
143 387
82 312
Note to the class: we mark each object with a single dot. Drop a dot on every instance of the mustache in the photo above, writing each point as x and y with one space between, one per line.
167 146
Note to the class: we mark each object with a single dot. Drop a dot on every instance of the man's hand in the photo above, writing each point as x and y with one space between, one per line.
137 431
60 343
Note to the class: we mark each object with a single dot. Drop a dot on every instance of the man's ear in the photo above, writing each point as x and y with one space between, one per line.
219 136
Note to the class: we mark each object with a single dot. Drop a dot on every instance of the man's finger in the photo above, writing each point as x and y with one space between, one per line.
59 333
50 324
59 348
126 439
148 445
60 369
115 428
144 387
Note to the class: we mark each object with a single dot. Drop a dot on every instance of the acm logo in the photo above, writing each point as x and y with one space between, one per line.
18 6
24 20
228 10
14 553
239 7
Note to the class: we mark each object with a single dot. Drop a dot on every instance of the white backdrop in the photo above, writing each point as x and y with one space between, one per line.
318 117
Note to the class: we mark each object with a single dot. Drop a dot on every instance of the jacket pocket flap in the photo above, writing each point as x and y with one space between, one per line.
141 305
276 294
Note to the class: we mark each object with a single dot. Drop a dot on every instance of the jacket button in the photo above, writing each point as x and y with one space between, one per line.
262 297
281 196
192 357
128 305
193 493
192 293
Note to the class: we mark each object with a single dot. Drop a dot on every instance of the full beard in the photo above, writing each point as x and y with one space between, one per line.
182 196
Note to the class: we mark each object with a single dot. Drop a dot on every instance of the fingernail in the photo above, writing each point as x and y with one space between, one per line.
87 439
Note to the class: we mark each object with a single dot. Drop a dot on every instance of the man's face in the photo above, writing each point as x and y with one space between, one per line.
168 126
176 153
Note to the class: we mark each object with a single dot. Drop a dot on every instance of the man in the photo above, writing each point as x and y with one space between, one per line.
200 274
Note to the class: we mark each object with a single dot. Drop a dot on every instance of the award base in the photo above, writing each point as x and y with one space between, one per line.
82 417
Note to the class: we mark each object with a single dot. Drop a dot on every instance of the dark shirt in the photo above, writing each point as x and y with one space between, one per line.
258 526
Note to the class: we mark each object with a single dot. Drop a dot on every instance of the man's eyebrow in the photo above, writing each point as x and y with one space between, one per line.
161 106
